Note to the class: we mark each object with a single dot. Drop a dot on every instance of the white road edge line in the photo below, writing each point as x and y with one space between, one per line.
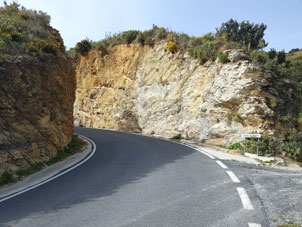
233 177
195 148
246 202
159 138
205 153
254 225
53 177
222 165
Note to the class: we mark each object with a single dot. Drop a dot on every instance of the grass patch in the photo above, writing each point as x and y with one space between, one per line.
6 178
288 223
270 162
74 146
31 170
176 137
235 146
234 116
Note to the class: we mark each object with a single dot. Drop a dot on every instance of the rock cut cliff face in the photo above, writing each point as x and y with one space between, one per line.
150 90
36 109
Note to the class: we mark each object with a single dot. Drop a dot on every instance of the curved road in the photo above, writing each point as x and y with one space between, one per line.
134 180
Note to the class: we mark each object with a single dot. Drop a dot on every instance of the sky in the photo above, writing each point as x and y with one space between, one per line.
94 19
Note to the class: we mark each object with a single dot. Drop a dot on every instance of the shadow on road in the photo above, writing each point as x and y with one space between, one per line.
120 159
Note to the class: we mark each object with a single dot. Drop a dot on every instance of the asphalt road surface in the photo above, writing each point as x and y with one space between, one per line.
134 180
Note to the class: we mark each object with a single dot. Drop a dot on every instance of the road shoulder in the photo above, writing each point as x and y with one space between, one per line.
49 173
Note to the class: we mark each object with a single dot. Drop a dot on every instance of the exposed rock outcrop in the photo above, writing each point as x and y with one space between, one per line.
36 109
150 90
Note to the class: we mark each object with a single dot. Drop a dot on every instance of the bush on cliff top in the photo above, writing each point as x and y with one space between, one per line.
129 36
83 47
27 31
245 33
231 34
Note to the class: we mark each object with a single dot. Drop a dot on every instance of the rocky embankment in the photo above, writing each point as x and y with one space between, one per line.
36 108
150 90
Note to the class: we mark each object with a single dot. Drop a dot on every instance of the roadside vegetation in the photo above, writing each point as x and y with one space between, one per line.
286 69
24 31
286 222
73 147
231 35
266 145
176 137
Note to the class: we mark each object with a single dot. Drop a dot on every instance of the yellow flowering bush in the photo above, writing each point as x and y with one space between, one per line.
23 15
171 46
44 46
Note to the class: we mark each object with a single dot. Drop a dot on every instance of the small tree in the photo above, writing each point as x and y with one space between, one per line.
83 47
247 34
272 53
281 58
223 57
294 50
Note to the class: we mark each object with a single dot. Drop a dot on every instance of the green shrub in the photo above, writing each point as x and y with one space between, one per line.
129 36
44 46
272 103
294 50
83 47
272 53
266 145
235 116
299 120
23 15
16 36
20 27
31 170
223 57
156 34
159 33
286 118
6 177
181 40
235 146
293 150
259 57
281 57
72 53
176 137
203 48
293 145
102 46
238 118
141 38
